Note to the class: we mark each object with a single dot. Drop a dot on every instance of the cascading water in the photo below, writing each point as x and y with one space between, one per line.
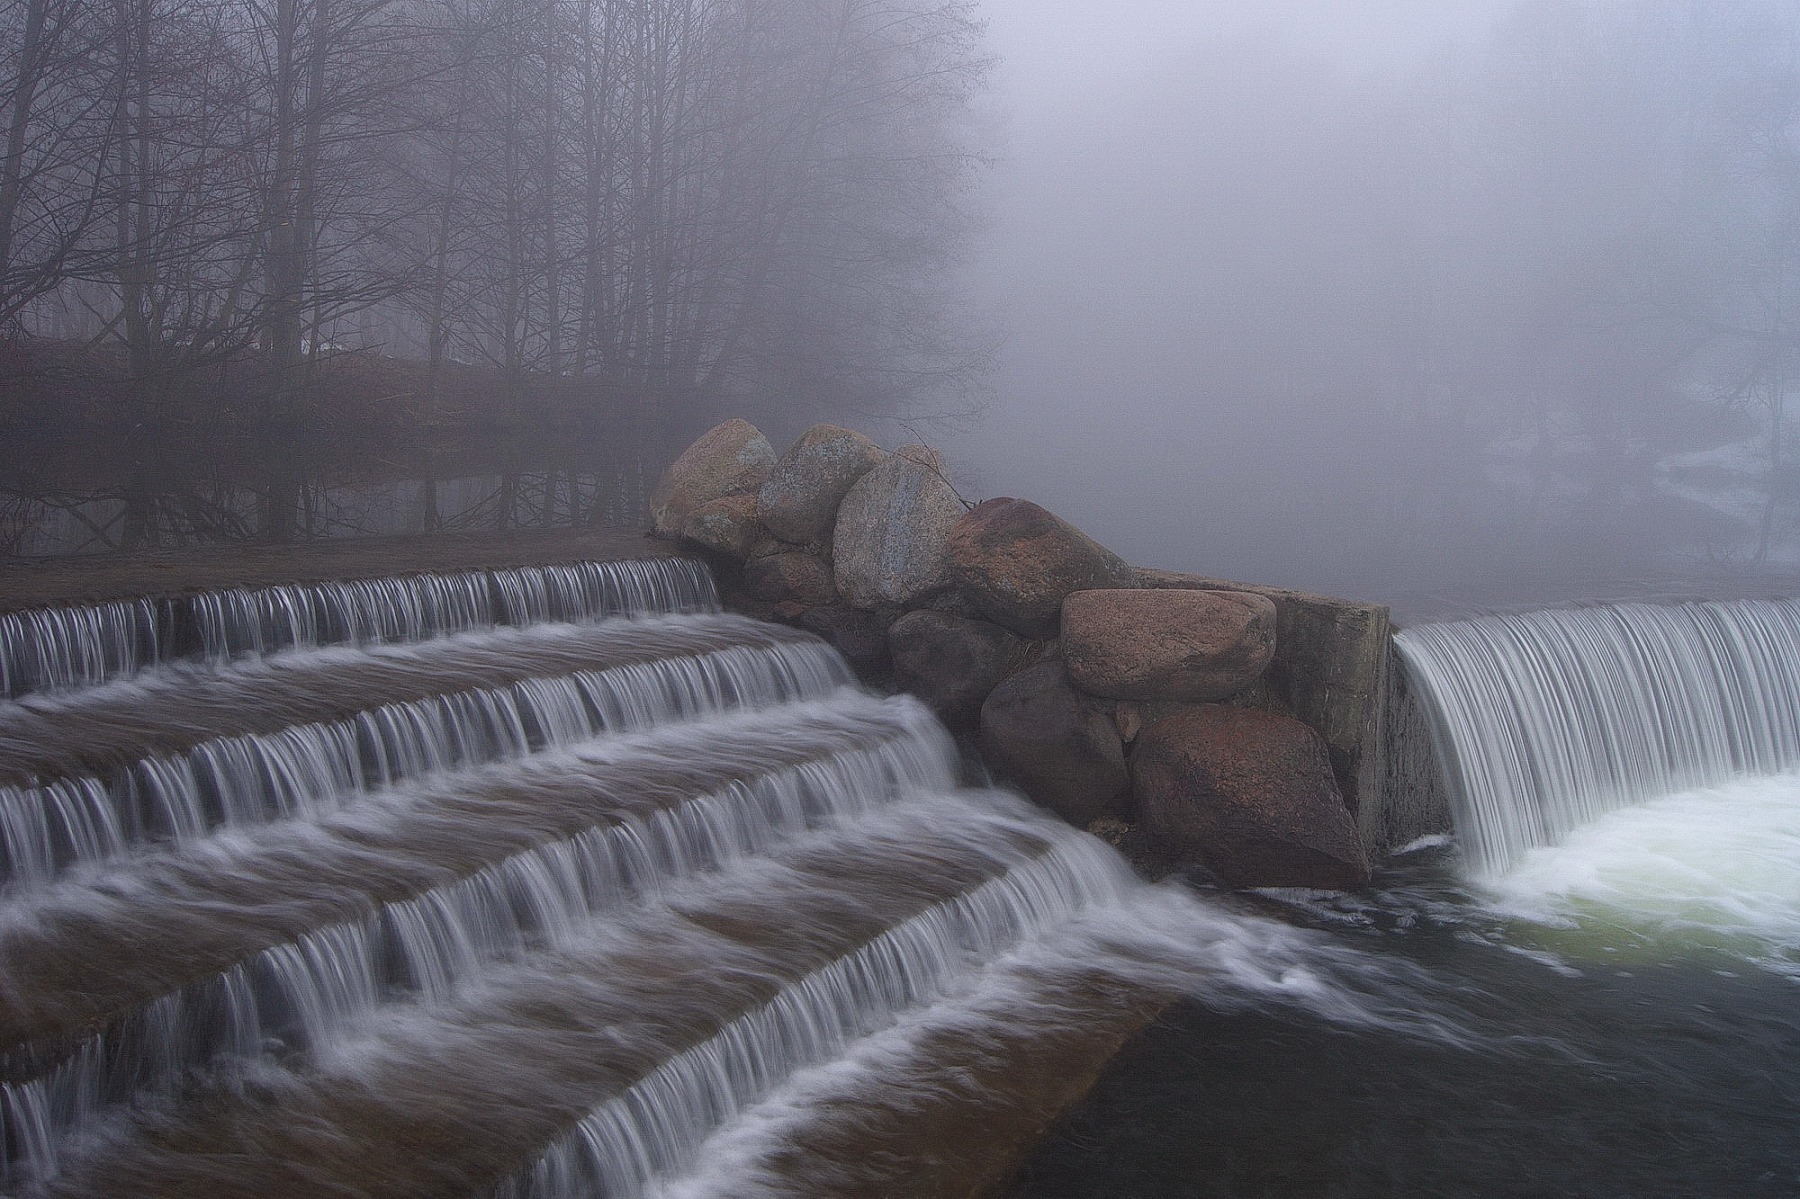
1616 921
526 883
1547 720
52 648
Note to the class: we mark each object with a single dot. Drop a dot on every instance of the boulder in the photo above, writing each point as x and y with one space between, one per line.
1330 670
731 459
799 500
726 526
891 541
1058 744
1196 646
952 662
1017 562
1247 794
1128 718
859 635
797 576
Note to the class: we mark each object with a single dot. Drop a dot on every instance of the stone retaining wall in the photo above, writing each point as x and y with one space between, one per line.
1197 722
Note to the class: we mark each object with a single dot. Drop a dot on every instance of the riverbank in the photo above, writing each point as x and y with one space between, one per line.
40 582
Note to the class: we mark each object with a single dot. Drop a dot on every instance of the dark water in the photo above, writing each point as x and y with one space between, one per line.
59 497
1605 965
1674 1076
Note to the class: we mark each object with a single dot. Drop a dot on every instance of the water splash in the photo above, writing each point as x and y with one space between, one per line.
1716 869
48 648
298 999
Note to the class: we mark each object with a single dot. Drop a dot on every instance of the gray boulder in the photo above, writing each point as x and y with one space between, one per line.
1058 744
725 526
731 459
799 500
891 541
952 662
1247 794
1017 561
1196 646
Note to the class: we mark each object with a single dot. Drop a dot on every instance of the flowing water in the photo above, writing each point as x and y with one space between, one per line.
1616 923
552 883
562 884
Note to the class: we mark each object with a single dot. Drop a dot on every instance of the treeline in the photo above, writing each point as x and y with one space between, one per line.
661 201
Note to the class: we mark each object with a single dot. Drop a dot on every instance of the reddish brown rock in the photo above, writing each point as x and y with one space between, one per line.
799 500
726 526
1017 561
952 662
1247 794
1195 646
1128 718
731 459
1330 670
791 576
1056 743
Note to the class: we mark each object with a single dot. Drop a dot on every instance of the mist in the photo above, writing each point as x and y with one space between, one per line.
1429 303
1426 303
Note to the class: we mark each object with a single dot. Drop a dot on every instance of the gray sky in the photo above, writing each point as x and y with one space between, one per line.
1090 408
1052 47
1380 297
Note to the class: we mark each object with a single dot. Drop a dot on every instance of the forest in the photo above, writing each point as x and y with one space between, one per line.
637 210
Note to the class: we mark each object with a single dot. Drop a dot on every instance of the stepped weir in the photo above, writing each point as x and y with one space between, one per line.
523 883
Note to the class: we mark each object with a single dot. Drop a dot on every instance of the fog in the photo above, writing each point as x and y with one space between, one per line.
1437 303
1444 304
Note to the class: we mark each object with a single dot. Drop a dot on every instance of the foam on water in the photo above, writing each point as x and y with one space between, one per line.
1160 939
1714 868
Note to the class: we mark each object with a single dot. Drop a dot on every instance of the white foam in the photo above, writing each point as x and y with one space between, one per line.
1713 868
1156 938
1429 841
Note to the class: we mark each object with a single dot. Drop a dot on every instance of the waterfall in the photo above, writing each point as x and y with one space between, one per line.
524 882
53 648
300 770
1546 720
685 1099
63 647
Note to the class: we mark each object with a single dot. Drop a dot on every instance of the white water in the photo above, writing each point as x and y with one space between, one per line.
305 996
63 647
1715 868
687 897
51 649
303 770
1547 721
1160 938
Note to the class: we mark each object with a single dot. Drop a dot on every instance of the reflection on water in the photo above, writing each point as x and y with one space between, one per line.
63 500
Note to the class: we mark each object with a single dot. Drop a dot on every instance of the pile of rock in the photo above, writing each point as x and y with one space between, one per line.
1108 701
